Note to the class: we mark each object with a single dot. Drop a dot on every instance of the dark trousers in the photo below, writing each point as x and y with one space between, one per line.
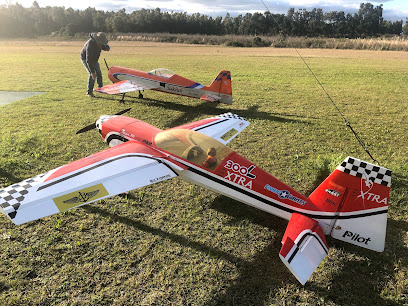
91 81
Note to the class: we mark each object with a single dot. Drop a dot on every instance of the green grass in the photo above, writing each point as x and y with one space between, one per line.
175 243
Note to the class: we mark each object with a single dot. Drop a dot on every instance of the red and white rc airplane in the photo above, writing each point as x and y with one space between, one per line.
164 80
350 205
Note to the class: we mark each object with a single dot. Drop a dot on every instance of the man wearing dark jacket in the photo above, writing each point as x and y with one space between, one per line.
90 55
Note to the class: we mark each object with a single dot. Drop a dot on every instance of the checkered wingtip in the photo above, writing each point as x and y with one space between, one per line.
12 196
229 116
360 168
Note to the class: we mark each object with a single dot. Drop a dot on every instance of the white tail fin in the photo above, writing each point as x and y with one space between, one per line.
360 190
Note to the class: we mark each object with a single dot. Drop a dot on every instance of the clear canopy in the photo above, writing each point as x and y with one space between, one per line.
196 147
162 72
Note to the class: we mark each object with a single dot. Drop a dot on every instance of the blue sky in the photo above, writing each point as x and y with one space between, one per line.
392 9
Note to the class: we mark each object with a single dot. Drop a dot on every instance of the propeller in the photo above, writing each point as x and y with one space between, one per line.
93 125
122 112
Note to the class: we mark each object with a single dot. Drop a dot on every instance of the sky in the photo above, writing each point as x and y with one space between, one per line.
392 9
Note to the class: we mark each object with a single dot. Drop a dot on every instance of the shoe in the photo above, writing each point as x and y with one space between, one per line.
91 95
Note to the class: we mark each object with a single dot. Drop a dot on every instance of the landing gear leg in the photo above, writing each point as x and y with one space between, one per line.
123 98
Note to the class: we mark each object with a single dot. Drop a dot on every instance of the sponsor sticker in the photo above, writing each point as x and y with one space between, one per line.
174 88
80 197
356 237
123 131
160 178
333 192
285 194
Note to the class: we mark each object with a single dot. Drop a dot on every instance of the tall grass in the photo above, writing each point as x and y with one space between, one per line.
384 43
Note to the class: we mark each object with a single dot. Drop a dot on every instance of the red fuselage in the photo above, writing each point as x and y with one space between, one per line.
233 176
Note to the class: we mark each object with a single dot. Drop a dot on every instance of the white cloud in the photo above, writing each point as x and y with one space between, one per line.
393 9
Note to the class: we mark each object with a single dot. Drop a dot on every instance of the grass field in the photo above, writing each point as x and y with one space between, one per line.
175 243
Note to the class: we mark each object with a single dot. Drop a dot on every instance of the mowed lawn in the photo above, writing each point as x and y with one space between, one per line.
175 243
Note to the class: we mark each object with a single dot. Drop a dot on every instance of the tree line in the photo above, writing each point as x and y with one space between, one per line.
17 21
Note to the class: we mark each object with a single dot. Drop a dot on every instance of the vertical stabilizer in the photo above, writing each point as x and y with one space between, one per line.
360 190
221 86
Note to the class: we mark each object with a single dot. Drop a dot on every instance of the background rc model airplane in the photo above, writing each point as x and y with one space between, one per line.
350 205
161 79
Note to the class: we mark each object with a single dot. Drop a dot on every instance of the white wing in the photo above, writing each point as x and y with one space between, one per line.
125 86
104 174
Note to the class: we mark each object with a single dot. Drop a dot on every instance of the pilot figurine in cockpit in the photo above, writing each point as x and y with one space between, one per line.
211 160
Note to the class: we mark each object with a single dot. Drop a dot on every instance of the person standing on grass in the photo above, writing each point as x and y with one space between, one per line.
90 55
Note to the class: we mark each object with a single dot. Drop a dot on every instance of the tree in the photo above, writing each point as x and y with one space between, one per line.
370 19
405 27
17 21
228 25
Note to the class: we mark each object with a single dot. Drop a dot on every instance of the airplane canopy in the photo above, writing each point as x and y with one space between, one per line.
193 146
162 72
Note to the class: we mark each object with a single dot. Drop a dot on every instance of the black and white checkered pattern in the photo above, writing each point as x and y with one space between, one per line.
360 168
12 196
230 116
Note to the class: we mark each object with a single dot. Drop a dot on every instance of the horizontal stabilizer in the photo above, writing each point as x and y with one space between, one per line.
223 128
304 246
210 98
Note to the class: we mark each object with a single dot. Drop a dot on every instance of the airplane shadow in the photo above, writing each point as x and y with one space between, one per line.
258 271
165 235
263 276
191 112
9 176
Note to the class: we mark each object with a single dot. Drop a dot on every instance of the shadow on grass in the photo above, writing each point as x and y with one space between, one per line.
360 281
165 235
322 173
191 112
3 287
265 273
257 277
10 178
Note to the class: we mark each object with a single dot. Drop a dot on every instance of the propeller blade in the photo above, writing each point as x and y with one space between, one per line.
93 125
87 128
123 111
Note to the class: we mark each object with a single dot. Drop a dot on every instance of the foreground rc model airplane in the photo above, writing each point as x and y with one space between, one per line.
350 205
164 80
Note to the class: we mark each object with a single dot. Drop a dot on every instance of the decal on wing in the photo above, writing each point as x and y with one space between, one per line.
107 173
123 87
80 197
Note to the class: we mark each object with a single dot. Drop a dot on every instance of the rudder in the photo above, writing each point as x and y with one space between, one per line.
360 192
222 86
